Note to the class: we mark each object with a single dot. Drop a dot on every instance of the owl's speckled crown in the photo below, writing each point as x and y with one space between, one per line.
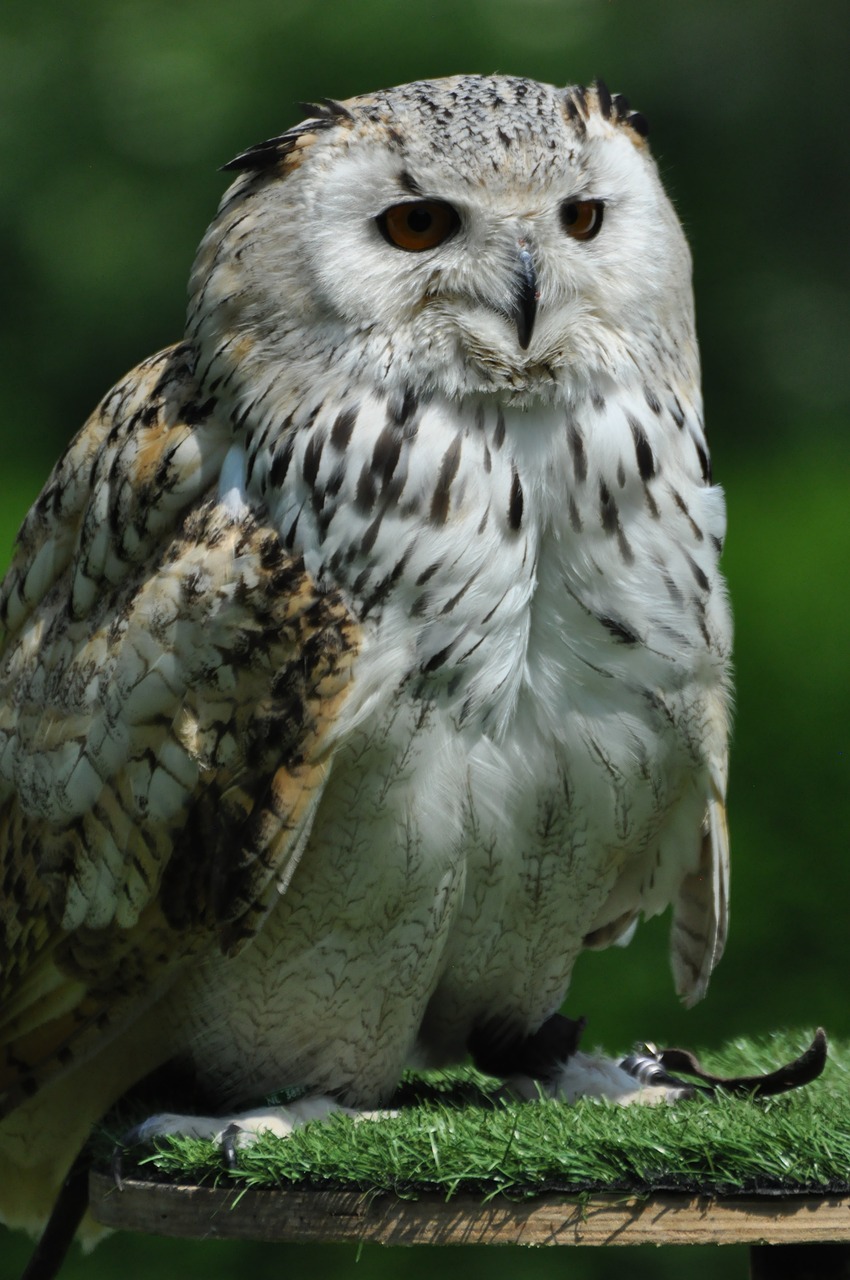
474 111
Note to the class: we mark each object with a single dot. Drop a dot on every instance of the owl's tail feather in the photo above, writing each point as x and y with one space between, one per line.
68 1213
700 913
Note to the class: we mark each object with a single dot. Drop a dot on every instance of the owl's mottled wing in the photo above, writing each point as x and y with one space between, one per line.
168 679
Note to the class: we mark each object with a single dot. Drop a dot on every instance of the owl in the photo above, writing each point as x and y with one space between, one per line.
365 658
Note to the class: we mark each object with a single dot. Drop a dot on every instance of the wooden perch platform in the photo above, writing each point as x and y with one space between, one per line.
234 1213
450 1128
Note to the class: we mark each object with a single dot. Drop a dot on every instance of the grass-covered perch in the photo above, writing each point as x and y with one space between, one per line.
451 1138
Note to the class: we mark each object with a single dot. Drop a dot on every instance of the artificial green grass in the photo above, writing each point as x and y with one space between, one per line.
453 1137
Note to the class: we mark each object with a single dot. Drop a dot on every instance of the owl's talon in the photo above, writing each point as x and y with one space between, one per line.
132 1137
116 1167
228 1145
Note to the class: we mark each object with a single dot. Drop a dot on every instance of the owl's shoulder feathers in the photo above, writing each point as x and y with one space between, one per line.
170 676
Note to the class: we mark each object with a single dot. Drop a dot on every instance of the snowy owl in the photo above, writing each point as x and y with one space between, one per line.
365 658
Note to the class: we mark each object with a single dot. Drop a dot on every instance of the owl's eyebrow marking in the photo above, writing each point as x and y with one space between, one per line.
408 183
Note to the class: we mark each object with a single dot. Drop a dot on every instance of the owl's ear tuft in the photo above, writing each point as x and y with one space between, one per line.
637 122
579 101
326 109
604 101
268 154
621 111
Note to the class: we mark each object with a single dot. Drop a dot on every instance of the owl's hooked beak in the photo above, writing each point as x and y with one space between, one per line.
526 297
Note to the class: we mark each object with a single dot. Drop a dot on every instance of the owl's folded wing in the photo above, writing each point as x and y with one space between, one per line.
701 908
169 676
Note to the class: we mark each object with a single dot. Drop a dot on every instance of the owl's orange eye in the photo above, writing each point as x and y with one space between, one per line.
582 219
419 224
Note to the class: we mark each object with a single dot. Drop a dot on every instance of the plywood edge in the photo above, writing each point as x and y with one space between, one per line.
234 1213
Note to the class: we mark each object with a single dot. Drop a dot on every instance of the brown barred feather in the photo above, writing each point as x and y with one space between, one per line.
178 746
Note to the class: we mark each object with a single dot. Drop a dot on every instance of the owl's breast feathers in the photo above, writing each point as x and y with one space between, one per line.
168 679
179 656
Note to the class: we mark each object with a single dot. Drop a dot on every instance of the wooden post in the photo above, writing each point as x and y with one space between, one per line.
787 1234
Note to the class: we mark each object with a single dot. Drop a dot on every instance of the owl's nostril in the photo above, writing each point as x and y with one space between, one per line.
526 297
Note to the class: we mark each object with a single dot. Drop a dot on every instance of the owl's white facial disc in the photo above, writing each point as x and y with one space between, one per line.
516 299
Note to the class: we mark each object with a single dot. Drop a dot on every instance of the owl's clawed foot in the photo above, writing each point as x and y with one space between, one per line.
592 1075
649 1075
229 1142
550 1062
234 1132
651 1066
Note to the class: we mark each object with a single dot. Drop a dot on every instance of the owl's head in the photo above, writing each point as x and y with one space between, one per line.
475 235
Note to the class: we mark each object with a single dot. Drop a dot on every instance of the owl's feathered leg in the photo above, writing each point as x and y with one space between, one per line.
497 1051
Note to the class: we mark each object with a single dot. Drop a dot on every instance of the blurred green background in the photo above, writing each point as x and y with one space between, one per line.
114 117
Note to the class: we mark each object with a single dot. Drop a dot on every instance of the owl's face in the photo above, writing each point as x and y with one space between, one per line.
468 236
